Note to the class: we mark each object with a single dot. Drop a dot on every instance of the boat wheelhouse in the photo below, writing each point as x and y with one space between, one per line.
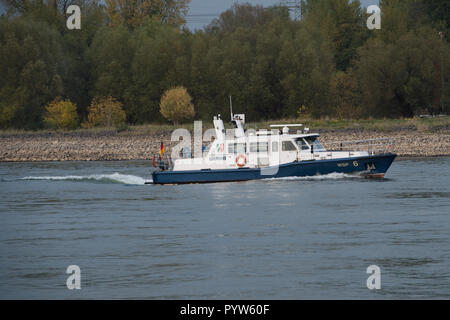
283 151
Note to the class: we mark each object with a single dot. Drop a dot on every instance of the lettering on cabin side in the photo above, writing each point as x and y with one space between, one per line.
342 165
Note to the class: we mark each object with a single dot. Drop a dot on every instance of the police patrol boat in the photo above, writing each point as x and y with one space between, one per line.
276 153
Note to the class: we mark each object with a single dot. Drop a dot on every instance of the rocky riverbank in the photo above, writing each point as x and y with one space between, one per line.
88 146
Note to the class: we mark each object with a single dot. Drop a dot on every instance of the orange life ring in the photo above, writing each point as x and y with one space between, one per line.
239 163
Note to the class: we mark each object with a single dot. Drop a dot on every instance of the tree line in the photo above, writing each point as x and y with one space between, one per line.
327 64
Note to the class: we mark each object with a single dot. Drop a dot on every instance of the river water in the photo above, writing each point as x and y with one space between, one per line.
297 238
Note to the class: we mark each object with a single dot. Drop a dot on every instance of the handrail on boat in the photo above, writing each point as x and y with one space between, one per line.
373 146
162 163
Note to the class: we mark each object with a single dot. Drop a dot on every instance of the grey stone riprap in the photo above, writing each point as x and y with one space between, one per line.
130 146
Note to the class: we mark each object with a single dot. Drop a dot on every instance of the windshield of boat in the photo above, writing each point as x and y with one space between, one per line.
312 141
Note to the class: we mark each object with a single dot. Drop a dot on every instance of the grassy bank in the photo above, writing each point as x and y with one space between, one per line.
380 125
411 137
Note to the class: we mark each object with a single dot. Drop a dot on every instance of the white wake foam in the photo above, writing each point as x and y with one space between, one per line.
111 178
330 176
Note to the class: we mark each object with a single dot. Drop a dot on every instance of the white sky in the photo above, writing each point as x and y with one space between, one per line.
202 12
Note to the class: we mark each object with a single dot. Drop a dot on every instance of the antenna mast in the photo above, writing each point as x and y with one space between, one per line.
231 109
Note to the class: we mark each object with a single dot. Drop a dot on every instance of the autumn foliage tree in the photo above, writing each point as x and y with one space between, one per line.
176 105
105 112
134 50
61 114
134 13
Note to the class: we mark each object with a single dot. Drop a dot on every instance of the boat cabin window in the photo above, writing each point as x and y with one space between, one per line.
305 143
314 141
237 148
274 146
302 144
259 146
205 149
288 146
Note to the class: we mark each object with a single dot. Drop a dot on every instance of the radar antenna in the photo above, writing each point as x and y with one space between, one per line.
231 109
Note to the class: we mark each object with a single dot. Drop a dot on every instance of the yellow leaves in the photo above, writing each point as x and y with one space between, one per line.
61 114
105 112
303 112
113 13
176 105
134 13
6 115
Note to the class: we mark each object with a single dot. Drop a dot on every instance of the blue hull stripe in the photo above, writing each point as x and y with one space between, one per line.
371 165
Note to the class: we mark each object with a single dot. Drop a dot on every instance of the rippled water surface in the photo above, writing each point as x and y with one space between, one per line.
297 238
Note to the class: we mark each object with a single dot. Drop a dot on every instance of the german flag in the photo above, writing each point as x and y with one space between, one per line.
162 150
